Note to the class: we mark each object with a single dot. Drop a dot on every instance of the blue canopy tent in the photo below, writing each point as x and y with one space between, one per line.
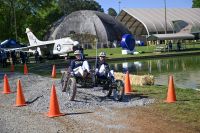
10 43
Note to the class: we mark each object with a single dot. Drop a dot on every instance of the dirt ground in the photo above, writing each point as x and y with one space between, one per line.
134 119
102 118
140 120
148 120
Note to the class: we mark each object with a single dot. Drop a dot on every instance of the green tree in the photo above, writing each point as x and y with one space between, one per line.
16 15
112 12
196 4
42 19
69 6
38 15
6 18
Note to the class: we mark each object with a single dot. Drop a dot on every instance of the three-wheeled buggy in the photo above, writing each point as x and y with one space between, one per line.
109 86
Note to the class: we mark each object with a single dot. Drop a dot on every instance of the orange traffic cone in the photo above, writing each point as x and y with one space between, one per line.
171 96
53 75
54 110
127 84
25 69
20 100
12 68
6 86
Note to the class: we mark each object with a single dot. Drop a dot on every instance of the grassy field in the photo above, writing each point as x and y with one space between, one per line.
185 109
116 52
144 51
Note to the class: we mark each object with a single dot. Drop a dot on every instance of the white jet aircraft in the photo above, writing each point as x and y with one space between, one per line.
59 47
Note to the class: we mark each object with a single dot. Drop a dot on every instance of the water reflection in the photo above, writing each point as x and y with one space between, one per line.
186 70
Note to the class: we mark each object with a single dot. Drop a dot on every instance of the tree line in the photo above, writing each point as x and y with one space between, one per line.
196 3
17 15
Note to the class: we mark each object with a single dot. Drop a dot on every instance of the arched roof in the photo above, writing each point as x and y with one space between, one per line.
152 21
104 26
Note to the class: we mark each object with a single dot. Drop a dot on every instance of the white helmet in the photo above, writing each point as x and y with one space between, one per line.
76 43
102 54
77 52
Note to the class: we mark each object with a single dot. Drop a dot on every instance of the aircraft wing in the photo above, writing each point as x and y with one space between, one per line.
26 49
35 46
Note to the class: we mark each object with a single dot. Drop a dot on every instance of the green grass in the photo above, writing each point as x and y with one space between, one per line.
185 109
116 52
145 51
32 68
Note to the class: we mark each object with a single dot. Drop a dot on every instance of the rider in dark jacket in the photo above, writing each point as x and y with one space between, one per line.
102 67
78 67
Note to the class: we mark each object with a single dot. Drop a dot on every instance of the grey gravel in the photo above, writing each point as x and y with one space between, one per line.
37 91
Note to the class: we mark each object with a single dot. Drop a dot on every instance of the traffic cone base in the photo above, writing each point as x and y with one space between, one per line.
54 110
169 101
54 115
20 100
6 86
19 105
6 92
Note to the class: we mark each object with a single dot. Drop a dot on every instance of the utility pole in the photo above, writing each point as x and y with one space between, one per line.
119 2
166 24
165 17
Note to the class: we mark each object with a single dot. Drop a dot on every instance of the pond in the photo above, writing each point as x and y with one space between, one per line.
185 69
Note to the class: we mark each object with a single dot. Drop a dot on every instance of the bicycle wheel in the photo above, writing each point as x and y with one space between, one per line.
71 89
118 92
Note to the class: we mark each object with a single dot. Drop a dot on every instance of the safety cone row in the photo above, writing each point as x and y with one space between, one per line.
171 95
6 86
25 69
54 110
53 75
127 84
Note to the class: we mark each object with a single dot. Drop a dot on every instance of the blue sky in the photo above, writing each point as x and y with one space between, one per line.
144 4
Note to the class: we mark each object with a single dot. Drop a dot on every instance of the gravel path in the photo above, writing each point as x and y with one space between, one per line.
82 115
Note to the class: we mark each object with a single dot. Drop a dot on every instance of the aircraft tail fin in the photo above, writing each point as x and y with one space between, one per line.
32 38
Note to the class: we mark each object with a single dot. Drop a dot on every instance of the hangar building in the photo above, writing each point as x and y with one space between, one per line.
145 22
87 24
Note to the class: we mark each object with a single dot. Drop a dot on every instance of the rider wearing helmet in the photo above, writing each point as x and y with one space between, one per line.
102 68
78 67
